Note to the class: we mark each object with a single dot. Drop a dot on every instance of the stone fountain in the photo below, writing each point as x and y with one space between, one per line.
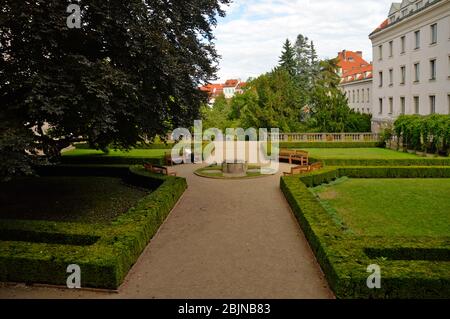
234 169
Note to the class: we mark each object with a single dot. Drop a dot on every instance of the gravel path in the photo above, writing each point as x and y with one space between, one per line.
224 239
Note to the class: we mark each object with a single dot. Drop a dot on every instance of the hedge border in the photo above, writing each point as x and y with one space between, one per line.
383 162
290 145
343 256
117 246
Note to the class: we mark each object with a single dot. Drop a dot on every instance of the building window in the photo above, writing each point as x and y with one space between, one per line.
391 49
403 44
353 100
417 39
403 74
416 105
402 105
380 101
434 33
417 72
391 77
391 105
433 69
381 79
432 104
380 52
368 95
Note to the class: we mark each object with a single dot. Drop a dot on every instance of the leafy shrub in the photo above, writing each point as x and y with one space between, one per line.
424 133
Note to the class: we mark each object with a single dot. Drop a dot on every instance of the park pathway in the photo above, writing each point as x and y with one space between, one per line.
224 239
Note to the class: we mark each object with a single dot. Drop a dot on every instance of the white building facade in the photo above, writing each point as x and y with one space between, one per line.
359 95
411 61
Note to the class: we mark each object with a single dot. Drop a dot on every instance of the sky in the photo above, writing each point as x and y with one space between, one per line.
250 38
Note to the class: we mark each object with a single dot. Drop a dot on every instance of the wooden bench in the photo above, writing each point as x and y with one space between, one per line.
304 169
298 156
159 169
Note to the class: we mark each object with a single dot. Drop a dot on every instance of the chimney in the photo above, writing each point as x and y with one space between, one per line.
359 53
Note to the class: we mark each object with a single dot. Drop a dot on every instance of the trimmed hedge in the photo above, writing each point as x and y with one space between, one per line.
330 144
384 162
329 174
40 252
344 257
110 160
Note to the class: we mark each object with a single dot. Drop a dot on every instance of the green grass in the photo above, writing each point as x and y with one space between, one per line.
132 153
68 199
204 172
358 153
391 207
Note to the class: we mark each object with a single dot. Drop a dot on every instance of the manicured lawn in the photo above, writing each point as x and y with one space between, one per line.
133 153
390 207
68 199
358 153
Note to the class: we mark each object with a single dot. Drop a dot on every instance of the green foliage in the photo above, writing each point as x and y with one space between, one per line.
218 115
424 133
105 253
270 101
384 162
288 58
93 199
328 145
104 83
344 257
329 106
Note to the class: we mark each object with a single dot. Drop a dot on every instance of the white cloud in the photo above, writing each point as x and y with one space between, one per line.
250 39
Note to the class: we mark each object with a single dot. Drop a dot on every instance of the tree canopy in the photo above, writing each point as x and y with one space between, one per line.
301 94
129 73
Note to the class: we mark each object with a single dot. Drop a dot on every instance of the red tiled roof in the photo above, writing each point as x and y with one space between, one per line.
231 83
382 26
353 66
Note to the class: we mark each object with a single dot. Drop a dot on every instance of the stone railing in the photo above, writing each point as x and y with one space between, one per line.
329 137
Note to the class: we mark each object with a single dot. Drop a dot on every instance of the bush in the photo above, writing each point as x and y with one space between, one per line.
411 267
292 145
110 160
39 251
424 133
384 162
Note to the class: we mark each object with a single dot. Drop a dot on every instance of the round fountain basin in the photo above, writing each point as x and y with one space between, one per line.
234 169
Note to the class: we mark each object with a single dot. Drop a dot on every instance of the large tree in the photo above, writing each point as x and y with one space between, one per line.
329 105
288 58
129 73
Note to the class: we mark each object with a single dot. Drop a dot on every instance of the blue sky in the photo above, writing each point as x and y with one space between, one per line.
250 38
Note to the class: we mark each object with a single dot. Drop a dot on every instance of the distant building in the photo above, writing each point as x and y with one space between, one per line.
356 80
411 53
229 89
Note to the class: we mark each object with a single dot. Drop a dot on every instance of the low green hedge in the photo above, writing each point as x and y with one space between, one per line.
295 145
344 257
384 162
110 160
329 174
39 251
